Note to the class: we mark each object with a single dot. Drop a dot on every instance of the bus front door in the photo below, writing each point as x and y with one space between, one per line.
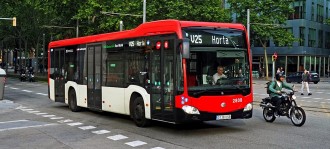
161 80
94 76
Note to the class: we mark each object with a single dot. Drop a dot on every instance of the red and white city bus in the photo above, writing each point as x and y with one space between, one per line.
161 70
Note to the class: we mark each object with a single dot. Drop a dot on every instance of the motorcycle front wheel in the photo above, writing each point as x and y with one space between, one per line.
298 116
268 114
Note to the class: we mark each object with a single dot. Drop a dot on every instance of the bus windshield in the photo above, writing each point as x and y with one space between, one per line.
218 63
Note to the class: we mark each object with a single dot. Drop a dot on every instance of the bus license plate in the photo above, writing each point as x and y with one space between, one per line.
223 117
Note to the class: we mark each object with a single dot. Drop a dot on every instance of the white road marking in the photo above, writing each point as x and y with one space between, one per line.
157 148
26 127
42 94
27 109
74 124
13 121
56 118
315 101
86 127
135 143
319 92
99 132
305 97
117 137
13 88
322 102
27 91
327 99
65 121
308 101
49 115
20 107
317 98
40 113
33 111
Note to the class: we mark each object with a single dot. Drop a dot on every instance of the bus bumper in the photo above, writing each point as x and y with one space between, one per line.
206 116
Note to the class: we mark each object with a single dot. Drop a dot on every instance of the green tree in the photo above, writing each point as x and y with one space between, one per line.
268 19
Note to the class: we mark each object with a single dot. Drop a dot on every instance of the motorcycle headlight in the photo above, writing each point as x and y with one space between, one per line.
294 96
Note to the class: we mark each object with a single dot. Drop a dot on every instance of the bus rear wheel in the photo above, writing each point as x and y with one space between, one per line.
138 113
73 102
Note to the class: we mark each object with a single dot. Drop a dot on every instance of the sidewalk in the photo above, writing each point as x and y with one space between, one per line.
38 76
254 80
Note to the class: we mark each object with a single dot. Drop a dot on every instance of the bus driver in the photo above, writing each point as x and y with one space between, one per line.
218 75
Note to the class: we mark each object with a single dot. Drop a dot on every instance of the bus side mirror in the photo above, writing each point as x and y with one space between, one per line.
186 48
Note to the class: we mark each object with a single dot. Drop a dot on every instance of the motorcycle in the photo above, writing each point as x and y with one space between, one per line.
288 108
31 77
23 76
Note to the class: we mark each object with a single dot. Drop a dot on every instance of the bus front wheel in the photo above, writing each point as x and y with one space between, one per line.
73 102
138 113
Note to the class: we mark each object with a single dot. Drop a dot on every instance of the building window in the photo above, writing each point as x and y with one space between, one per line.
320 40
327 40
299 7
312 17
311 37
319 13
302 36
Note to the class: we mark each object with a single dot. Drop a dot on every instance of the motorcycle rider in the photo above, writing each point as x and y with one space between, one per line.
275 88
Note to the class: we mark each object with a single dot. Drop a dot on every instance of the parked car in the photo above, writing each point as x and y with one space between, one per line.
297 77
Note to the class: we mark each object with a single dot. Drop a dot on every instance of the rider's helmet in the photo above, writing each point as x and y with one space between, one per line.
278 76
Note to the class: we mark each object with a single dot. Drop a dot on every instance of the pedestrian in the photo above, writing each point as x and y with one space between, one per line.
282 71
278 70
304 81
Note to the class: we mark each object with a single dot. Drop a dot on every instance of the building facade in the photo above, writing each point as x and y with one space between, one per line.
312 51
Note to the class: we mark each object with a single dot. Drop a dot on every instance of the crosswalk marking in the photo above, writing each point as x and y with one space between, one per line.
75 124
56 118
49 115
40 113
65 121
99 132
33 111
135 143
86 127
117 137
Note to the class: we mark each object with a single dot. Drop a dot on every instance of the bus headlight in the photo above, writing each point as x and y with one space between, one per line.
190 109
248 107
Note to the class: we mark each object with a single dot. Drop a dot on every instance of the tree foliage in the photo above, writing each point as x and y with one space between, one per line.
35 17
268 19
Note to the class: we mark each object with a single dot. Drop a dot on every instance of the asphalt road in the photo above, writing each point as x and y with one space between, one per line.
28 119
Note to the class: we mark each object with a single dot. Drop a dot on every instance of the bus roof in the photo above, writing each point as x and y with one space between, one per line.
145 29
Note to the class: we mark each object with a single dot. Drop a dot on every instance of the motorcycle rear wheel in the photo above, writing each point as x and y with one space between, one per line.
298 116
268 114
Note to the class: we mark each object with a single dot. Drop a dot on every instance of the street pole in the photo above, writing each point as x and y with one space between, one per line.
248 24
20 54
144 10
7 60
273 73
44 53
77 29
121 24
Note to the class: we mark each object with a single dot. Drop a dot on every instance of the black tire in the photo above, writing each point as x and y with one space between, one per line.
138 113
73 102
269 115
298 116
316 82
